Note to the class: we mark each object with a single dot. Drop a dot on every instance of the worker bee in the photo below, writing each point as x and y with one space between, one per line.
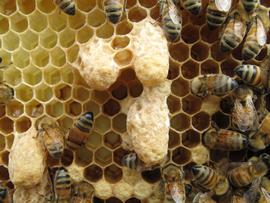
52 137
216 13
6 93
212 84
193 6
208 179
68 6
114 9
77 135
247 172
171 21
255 39
84 193
62 185
222 139
261 139
244 114
234 33
203 198
172 184
250 5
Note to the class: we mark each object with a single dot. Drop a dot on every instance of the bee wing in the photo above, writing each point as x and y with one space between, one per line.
174 14
223 5
239 28
261 33
176 196
251 194
266 194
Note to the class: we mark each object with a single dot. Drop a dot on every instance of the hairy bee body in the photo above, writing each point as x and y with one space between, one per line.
247 172
171 21
207 179
113 10
216 13
78 135
233 34
52 137
226 140
244 114
250 5
6 93
62 184
193 6
68 6
84 193
255 39
212 84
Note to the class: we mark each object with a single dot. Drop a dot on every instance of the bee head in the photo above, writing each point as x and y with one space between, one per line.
266 159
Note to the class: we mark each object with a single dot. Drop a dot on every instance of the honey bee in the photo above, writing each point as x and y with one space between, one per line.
250 5
84 193
255 39
193 6
212 84
52 137
203 198
62 185
233 33
171 21
114 9
208 179
261 139
67 6
222 139
77 135
172 183
247 172
6 93
216 13
244 114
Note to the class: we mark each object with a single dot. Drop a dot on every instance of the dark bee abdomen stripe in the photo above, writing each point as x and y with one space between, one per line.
215 18
85 122
113 10
172 30
68 6
76 138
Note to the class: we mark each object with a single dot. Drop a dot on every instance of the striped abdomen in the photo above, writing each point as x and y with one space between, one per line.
224 84
54 141
250 74
204 177
215 18
68 6
250 5
130 161
113 10
241 176
85 122
172 30
193 6
62 184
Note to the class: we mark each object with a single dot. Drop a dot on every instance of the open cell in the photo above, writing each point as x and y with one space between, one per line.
120 42
86 6
6 125
181 155
3 110
127 75
209 67
72 53
133 200
216 53
24 93
201 121
2 142
93 173
209 36
119 123
5 157
137 14
96 18
81 93
46 6
84 34
18 22
191 104
103 156
67 74
124 27
173 70
40 57
190 69
180 122
100 96
91 106
22 124
179 51
21 58
180 87
67 38
55 108
98 200
222 120
8 7
147 3
151 176
4 25
119 90
187 36
14 109
4 175
52 75
105 31
174 139
57 22
112 140
77 21
113 200
48 38
111 107
12 76
199 51
67 157
58 57
113 173
228 65
73 108
191 138
94 140
34 109
10 41
37 21
135 88
29 40
62 92
124 57
174 104
83 156
32 75
65 122
26 7
43 93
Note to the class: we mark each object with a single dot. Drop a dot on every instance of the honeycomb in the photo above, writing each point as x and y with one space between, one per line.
42 45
